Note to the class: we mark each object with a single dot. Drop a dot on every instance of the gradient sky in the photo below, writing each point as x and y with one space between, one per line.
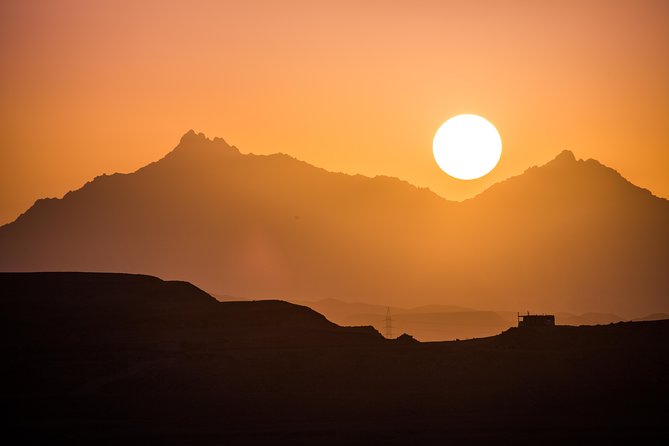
92 87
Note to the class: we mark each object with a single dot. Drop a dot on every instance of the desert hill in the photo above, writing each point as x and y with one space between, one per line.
76 309
569 236
163 362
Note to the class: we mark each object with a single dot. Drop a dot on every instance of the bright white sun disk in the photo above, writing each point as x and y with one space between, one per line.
467 147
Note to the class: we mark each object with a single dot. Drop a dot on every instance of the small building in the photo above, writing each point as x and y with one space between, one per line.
536 320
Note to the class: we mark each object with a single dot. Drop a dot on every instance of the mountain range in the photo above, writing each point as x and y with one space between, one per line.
571 235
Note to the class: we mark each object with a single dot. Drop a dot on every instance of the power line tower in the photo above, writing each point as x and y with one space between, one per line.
389 324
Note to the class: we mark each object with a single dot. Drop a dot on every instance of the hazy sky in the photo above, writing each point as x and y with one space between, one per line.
92 87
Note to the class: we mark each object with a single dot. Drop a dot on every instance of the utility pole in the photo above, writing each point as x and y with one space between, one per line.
389 324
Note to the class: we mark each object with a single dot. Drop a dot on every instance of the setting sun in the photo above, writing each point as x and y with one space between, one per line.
467 147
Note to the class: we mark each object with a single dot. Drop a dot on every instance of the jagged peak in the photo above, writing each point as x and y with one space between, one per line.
191 136
197 142
566 156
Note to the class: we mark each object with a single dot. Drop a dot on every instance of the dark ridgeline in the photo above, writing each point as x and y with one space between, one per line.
571 235
113 358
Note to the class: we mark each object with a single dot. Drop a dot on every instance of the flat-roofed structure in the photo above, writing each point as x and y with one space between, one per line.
536 320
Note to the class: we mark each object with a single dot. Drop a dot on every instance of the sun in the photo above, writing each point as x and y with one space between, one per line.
467 147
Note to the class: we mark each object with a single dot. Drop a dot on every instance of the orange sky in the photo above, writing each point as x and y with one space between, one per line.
354 86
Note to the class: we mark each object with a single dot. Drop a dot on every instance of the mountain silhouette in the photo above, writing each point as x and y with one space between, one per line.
112 308
95 358
571 235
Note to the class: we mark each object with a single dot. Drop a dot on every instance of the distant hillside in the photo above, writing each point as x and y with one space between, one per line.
425 323
654 317
576 232
443 322
571 236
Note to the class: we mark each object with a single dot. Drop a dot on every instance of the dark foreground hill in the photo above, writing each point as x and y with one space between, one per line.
109 358
571 235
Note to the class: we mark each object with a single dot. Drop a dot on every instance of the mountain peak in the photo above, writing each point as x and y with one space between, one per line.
190 135
566 156
193 144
